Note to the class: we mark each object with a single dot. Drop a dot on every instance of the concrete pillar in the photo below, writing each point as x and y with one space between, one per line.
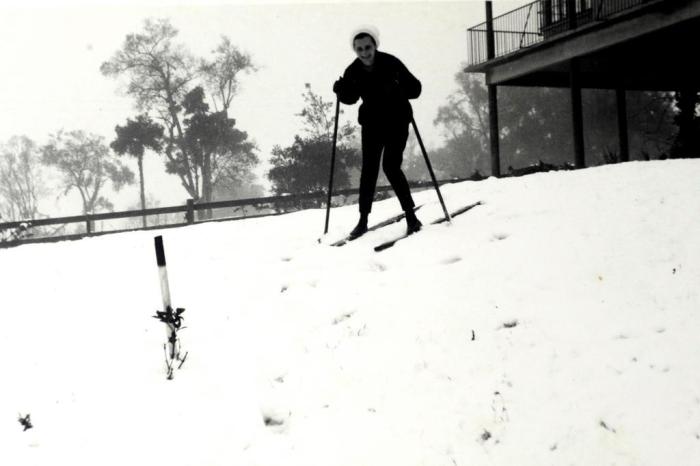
494 131
577 114
493 97
622 124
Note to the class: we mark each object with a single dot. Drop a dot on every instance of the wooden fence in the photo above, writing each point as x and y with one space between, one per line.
34 231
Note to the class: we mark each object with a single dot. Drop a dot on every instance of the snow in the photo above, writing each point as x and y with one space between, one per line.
556 324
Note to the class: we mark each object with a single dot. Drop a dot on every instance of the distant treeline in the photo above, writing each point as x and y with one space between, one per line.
185 103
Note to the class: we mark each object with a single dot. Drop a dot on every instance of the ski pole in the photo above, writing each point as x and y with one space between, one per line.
330 182
430 169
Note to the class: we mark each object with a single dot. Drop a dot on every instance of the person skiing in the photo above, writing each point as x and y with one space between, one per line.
385 86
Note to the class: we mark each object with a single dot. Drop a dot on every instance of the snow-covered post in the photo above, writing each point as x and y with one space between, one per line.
172 319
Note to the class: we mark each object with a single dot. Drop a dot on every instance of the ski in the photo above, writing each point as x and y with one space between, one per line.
390 243
388 221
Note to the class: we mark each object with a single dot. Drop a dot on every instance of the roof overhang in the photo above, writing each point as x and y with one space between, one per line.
651 50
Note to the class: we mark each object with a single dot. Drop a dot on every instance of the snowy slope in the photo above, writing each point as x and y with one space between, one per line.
556 324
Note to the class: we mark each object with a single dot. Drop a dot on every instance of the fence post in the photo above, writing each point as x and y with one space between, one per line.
190 211
88 225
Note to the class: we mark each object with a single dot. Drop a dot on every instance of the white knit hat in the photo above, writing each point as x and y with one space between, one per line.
371 30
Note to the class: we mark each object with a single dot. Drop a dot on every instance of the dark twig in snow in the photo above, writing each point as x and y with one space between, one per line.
182 361
26 422
273 422
168 363
606 427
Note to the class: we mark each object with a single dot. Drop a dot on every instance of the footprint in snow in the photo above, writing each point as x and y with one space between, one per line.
451 260
498 407
510 324
276 420
343 317
378 267
499 236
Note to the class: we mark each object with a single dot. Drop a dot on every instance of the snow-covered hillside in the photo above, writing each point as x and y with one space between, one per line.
556 324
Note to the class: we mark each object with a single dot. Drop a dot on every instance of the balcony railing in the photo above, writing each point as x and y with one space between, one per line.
538 21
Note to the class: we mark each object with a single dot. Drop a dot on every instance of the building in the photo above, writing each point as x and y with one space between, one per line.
600 44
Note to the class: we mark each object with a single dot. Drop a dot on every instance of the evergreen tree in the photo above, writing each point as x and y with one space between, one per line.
535 124
304 166
163 78
686 143
133 139
222 154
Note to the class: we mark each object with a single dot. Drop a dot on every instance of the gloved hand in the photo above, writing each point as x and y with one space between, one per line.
338 85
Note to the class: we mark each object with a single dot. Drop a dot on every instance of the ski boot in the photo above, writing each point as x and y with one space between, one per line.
360 229
413 225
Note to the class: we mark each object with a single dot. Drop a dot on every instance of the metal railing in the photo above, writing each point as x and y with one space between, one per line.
537 21
512 31
35 231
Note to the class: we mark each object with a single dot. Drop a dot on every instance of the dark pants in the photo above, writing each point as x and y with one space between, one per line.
392 140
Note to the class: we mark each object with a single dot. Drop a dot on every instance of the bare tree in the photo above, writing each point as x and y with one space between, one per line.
86 165
221 73
20 179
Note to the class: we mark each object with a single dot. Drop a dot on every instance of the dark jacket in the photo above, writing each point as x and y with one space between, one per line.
385 90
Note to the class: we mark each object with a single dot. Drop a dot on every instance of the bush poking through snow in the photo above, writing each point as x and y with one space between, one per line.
15 234
174 322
